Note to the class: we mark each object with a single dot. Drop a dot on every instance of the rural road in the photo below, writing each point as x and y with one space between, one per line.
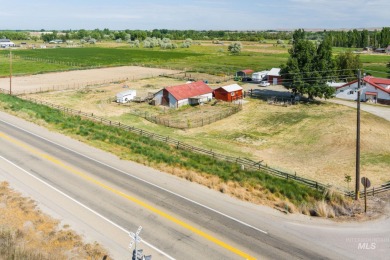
103 198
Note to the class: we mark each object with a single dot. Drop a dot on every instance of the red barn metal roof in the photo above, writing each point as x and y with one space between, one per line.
247 71
376 82
188 90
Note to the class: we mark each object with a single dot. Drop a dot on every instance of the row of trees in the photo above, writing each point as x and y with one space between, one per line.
360 39
353 38
310 67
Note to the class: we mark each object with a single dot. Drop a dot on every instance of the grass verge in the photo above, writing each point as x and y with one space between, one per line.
27 233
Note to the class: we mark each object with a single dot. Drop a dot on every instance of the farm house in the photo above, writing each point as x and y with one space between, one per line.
376 90
228 93
194 93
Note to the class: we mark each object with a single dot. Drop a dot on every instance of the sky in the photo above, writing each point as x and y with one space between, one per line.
193 15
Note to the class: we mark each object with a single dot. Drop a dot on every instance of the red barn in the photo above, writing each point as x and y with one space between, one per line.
228 93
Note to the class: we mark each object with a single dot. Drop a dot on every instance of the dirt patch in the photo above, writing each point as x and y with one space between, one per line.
81 78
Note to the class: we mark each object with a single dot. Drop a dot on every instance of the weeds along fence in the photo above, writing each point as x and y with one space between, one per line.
246 164
188 122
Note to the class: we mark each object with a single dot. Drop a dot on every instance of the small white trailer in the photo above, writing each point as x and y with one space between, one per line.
125 96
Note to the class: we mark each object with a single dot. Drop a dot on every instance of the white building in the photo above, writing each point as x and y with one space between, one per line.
6 43
373 90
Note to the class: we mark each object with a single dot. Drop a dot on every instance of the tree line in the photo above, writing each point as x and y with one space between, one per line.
351 39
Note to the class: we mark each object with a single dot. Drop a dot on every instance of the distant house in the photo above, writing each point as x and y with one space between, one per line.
375 90
274 76
383 50
244 75
186 94
228 93
6 43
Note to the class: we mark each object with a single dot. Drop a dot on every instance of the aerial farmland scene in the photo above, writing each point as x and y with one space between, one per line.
195 130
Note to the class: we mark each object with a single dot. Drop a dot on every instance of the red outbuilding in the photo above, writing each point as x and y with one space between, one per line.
228 93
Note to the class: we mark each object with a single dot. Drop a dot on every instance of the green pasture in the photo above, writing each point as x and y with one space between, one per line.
205 58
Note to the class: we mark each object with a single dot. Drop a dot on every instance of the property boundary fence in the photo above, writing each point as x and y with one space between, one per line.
372 191
245 163
73 86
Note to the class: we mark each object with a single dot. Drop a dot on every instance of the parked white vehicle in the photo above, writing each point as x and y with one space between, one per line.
264 84
125 96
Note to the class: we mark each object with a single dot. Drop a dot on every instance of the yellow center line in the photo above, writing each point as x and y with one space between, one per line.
128 197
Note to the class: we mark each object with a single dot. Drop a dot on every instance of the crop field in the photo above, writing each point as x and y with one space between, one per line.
204 57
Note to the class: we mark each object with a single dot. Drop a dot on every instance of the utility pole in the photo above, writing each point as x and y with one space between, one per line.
357 187
10 72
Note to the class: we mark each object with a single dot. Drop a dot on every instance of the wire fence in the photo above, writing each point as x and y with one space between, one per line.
245 163
71 86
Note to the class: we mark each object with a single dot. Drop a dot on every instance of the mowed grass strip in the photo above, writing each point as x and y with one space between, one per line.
148 151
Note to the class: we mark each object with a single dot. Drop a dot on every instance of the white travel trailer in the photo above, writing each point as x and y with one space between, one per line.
259 76
125 96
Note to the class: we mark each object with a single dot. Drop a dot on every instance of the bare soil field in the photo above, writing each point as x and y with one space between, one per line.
79 78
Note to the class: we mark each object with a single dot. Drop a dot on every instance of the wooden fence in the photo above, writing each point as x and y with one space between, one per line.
245 163
371 191
188 123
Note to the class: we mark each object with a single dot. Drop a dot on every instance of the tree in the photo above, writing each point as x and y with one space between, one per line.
388 66
347 65
309 67
235 48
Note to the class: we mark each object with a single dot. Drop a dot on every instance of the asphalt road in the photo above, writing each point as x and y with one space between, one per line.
104 198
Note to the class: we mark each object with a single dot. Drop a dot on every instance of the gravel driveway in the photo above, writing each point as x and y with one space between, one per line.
381 111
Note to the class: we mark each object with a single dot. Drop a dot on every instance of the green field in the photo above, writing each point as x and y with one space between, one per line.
206 58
